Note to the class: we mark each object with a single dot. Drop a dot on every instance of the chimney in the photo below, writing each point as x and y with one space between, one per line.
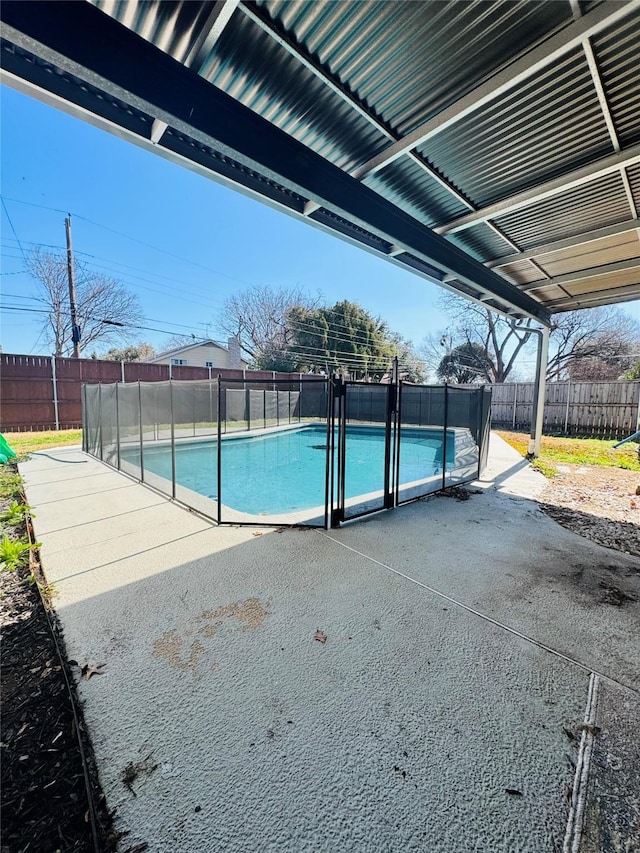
233 345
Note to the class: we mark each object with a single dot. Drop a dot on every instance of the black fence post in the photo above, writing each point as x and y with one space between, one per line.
83 393
100 418
398 443
219 452
444 436
118 425
391 407
141 438
328 474
339 392
173 443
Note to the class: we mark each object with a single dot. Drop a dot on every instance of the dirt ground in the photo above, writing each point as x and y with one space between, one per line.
598 503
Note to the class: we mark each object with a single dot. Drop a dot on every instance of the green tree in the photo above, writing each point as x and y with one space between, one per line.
344 339
465 364
135 352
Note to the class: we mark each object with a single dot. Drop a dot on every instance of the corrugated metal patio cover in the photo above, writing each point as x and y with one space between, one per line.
493 147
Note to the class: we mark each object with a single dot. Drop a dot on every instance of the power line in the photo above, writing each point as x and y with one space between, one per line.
24 310
129 237
60 248
6 212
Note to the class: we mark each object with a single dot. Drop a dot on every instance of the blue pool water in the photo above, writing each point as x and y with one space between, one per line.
285 471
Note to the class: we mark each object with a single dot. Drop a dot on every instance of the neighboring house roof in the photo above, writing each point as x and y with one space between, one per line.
186 348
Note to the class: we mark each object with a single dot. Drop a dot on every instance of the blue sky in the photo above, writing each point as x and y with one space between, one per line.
209 241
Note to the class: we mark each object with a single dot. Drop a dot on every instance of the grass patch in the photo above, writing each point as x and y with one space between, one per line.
545 468
28 442
575 451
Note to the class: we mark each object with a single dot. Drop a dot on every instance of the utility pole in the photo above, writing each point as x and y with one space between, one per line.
75 329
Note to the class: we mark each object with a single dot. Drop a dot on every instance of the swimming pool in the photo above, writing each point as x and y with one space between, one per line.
284 471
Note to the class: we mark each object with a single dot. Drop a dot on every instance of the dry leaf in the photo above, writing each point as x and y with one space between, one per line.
88 670
257 533
320 636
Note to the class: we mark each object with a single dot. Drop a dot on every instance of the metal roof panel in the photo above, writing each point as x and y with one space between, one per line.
619 247
481 241
617 52
409 60
593 205
416 191
548 125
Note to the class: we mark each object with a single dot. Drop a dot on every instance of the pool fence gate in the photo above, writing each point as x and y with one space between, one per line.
211 444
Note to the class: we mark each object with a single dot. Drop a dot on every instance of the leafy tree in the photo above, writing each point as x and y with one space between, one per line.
465 364
135 352
344 338
107 312
285 330
411 366
633 372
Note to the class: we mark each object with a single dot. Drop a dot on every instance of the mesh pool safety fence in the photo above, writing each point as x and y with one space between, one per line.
315 452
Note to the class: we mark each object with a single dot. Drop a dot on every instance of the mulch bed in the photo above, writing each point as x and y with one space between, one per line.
45 770
598 503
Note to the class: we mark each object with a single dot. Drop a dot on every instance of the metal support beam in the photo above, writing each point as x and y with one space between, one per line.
566 243
157 130
211 128
569 181
629 194
218 18
590 272
626 293
603 16
540 385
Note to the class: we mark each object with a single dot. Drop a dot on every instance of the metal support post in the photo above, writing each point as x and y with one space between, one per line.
444 436
173 444
141 436
537 415
566 411
118 426
219 454
55 391
100 419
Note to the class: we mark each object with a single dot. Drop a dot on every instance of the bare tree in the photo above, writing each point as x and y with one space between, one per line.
595 343
258 316
107 312
479 331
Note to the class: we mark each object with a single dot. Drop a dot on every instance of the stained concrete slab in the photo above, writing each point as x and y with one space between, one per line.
220 723
612 821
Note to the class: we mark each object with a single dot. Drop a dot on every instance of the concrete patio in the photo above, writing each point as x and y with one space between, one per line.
443 712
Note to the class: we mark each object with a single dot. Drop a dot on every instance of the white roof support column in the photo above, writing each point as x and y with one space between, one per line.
540 388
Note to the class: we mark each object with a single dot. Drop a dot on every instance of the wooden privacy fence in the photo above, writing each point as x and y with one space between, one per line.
42 392
598 409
